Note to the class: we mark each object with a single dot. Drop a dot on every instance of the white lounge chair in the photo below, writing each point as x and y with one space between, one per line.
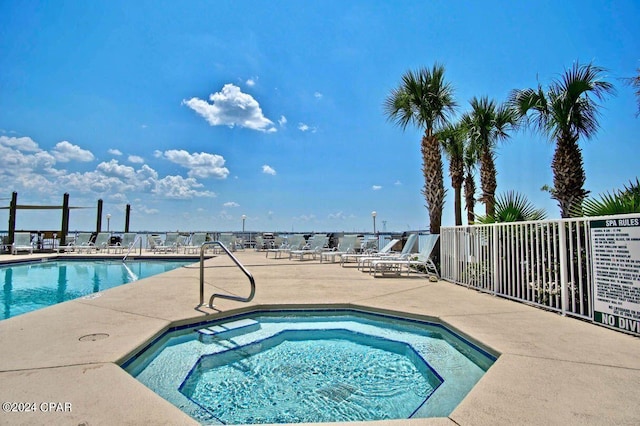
409 245
22 242
171 242
81 242
197 239
228 240
346 258
102 242
155 244
292 242
422 259
314 246
127 242
346 245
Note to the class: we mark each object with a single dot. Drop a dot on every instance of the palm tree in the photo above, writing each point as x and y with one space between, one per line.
486 124
621 201
635 83
452 138
565 112
470 161
425 99
513 207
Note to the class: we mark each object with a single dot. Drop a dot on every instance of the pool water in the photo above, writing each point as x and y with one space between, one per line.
311 366
35 285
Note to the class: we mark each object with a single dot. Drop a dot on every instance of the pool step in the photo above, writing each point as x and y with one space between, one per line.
227 330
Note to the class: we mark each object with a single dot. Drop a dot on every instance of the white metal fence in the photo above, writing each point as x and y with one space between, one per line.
545 263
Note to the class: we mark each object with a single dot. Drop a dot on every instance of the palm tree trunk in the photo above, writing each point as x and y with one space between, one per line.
488 181
469 197
433 180
568 176
458 204
456 170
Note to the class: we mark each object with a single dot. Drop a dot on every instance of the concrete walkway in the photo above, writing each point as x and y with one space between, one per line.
63 360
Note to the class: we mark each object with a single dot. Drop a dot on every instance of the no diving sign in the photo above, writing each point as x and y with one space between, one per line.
615 254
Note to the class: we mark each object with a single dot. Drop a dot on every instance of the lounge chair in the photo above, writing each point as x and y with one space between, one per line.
171 242
127 242
422 259
348 257
293 242
346 245
22 242
155 244
409 245
196 242
228 240
81 242
314 246
101 243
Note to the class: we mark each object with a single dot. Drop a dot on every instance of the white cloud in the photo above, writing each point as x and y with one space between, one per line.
113 168
114 152
268 170
306 217
251 81
20 144
282 121
224 215
136 159
398 183
231 204
65 151
376 187
318 95
303 127
23 165
230 107
200 164
147 210
178 187
339 215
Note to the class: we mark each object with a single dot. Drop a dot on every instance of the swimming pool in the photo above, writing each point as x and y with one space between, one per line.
311 366
30 286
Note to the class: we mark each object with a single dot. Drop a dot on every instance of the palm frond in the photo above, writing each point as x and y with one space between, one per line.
622 201
513 207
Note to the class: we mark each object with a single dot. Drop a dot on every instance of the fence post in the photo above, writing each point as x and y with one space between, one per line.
496 259
564 273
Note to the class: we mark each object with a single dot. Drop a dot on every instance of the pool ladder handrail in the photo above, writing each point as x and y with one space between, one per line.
138 238
237 262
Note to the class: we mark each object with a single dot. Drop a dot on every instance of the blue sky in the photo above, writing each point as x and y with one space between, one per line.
199 112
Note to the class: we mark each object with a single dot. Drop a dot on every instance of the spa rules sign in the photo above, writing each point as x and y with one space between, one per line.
615 246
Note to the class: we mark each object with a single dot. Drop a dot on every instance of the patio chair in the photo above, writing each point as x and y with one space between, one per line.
259 242
22 242
345 258
228 240
292 242
155 244
422 259
277 246
346 245
314 246
409 245
81 242
194 245
102 242
126 243
171 242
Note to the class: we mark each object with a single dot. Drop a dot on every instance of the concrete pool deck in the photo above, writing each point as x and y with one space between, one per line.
552 369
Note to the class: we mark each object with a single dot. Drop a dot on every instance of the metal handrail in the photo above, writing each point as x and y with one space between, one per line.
237 262
138 237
